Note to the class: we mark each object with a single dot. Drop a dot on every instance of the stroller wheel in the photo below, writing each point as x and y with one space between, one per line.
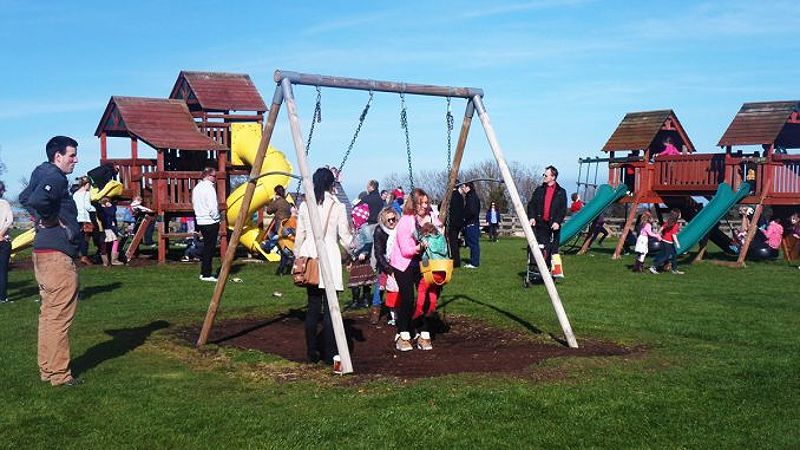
525 283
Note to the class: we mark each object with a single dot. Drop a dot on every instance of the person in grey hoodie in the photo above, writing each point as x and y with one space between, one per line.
55 247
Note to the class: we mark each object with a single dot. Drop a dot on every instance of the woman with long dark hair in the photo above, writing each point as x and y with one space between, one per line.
334 227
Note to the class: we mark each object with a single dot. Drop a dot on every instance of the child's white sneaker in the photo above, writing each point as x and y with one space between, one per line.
424 341
402 342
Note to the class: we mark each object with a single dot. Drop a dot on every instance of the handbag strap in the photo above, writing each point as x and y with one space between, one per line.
327 220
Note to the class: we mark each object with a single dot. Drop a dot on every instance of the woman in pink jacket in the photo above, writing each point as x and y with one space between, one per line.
404 260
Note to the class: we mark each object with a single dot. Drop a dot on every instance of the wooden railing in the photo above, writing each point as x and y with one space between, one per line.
132 173
218 131
786 179
174 189
697 172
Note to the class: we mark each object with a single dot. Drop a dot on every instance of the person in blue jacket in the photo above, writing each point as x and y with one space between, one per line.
492 221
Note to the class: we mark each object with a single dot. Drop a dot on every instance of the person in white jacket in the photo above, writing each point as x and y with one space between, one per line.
6 221
335 228
206 212
83 202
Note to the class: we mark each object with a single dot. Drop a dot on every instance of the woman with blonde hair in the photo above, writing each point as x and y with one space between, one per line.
405 257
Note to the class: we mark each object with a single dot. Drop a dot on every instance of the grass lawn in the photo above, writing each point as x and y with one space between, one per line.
720 369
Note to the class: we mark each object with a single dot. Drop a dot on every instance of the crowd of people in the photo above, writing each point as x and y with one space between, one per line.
388 238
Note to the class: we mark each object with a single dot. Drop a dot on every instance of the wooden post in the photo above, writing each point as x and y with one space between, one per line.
134 148
103 147
316 229
700 254
751 231
524 221
626 229
137 238
230 253
222 188
160 193
462 142
135 180
587 242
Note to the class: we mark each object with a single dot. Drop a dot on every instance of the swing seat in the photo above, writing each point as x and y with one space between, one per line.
437 271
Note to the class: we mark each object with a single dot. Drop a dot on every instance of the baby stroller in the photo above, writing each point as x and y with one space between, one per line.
532 274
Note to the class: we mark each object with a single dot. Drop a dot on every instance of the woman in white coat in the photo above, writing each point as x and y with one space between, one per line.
335 228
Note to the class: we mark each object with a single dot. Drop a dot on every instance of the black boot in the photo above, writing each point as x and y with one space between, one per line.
355 293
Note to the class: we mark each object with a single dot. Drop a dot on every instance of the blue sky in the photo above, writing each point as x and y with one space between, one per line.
558 74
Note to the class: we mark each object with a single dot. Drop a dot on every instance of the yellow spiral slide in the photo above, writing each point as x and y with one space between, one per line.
245 138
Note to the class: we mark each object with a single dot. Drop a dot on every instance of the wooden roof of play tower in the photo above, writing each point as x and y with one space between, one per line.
765 123
160 123
216 91
639 130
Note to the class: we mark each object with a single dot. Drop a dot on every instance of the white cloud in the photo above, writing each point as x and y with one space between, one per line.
520 7
365 20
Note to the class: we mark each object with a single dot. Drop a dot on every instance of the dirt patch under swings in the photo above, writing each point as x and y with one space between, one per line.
462 345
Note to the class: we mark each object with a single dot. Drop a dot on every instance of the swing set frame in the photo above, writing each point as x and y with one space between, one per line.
284 95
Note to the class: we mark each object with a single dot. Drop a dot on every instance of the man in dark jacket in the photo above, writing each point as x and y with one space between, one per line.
547 209
472 225
374 201
455 223
55 246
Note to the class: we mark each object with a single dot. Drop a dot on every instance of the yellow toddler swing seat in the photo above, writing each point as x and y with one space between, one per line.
437 271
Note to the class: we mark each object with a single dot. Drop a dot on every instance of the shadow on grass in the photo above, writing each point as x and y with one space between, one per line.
527 325
25 289
91 291
122 341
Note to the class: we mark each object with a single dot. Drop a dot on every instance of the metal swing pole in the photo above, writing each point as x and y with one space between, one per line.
230 253
316 228
526 227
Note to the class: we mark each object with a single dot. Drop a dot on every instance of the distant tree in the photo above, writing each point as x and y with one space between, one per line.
434 182
2 164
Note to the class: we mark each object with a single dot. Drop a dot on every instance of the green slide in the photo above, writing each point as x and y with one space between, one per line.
710 215
604 196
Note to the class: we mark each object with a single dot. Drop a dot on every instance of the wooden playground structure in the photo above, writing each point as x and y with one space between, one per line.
189 131
772 173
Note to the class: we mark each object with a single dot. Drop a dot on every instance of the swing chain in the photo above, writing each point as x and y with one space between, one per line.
450 124
404 126
316 118
358 129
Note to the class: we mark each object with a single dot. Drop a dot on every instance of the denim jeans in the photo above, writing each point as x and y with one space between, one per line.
5 259
472 234
376 290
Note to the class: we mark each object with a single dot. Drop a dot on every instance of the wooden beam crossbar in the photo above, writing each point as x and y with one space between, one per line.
309 79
